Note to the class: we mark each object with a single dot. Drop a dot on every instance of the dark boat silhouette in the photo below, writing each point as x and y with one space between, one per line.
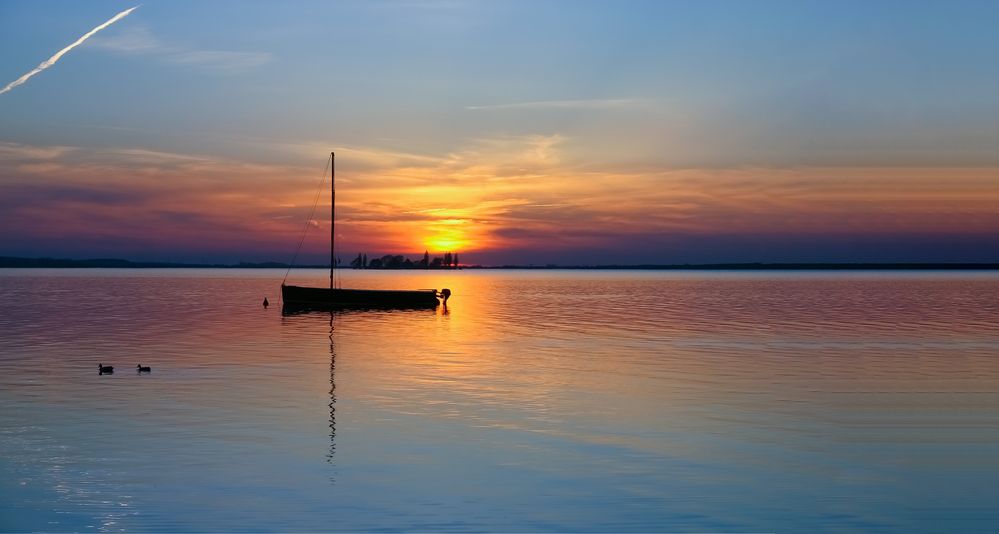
299 297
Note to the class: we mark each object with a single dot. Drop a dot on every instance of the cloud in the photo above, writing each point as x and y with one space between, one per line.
132 40
68 194
141 41
52 60
221 59
490 195
503 156
598 103
16 151
351 156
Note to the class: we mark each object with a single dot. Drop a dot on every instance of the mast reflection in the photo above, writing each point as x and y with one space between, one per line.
299 316
329 456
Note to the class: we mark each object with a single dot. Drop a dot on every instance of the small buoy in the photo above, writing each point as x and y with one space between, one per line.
265 302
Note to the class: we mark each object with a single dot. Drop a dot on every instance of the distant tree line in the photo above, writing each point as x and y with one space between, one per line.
448 261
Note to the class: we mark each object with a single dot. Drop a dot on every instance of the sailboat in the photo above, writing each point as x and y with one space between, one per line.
298 297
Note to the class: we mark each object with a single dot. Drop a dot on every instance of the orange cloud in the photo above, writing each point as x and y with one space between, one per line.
524 192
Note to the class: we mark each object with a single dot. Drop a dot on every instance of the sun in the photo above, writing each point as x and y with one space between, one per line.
448 235
447 242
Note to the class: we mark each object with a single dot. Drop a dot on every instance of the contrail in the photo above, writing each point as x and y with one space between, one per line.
51 61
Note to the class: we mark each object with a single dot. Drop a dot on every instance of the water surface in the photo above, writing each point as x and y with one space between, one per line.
540 400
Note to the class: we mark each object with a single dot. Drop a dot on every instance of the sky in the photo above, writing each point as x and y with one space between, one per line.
513 132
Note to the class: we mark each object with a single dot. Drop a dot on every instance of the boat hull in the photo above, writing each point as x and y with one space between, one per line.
298 297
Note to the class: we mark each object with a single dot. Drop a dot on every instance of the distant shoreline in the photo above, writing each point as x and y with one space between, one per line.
107 263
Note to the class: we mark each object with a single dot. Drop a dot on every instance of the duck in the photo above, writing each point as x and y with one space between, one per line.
102 369
142 369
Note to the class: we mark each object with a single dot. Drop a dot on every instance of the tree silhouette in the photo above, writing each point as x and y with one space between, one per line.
396 261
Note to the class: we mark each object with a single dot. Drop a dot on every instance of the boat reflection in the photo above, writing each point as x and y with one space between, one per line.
288 309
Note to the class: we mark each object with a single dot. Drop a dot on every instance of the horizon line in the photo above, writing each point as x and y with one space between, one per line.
16 262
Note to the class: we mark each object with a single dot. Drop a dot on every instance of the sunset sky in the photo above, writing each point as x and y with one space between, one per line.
511 132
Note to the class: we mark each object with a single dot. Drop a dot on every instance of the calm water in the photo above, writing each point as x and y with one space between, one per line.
581 401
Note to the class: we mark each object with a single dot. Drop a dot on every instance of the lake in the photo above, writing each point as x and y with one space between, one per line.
538 401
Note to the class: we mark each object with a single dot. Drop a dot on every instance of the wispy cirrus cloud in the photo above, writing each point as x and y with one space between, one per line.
366 157
593 103
520 151
141 41
223 59
17 151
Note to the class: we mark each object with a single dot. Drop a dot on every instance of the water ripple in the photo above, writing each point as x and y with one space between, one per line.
541 400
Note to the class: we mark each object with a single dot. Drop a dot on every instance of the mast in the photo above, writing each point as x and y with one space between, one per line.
332 214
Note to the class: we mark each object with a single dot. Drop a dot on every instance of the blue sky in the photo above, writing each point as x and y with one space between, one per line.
518 131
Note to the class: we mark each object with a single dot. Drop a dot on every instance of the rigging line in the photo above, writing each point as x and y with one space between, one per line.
308 222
